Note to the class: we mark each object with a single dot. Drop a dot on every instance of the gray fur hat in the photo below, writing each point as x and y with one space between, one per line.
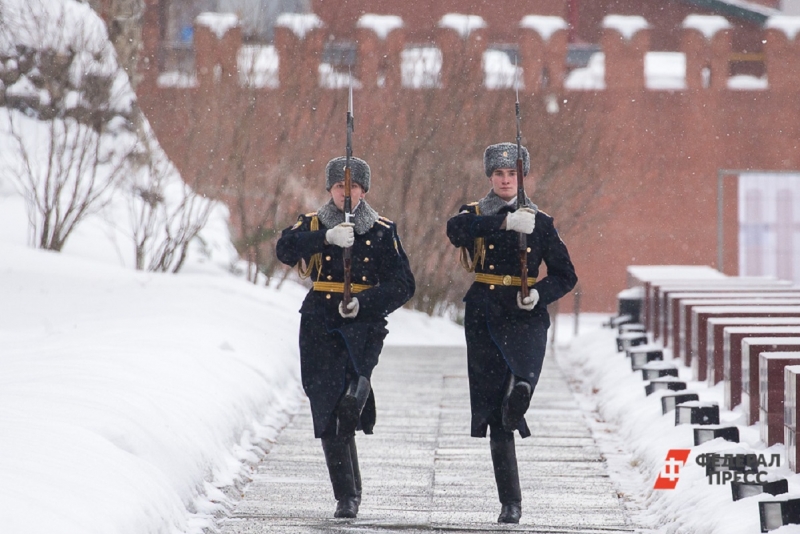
359 172
504 156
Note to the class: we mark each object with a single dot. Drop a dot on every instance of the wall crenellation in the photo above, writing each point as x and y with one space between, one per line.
542 57
635 162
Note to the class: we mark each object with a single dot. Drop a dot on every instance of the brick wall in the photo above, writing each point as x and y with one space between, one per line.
655 161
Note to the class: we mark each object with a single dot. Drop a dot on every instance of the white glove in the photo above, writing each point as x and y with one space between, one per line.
523 221
352 308
341 235
529 302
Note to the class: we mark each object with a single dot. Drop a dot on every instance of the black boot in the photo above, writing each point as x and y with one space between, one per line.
516 402
340 469
356 470
504 459
350 406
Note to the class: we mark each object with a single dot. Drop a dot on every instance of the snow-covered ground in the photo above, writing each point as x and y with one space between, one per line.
127 399
635 437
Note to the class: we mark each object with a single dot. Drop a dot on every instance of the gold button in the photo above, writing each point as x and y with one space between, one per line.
328 296
366 259
363 278
330 277
491 286
369 242
491 267
491 247
327 258
507 280
529 249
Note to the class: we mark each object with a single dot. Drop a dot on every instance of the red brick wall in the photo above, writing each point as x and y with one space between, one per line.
421 19
657 161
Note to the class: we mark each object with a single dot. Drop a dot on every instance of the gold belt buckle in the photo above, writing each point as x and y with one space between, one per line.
507 280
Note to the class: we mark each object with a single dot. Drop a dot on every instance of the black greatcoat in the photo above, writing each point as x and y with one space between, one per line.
334 349
500 336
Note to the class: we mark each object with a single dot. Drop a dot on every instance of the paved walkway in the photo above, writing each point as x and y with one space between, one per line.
423 473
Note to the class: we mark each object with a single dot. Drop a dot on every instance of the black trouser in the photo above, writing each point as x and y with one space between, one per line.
504 460
341 457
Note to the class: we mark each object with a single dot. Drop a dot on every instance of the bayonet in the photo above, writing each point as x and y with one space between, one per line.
523 238
347 253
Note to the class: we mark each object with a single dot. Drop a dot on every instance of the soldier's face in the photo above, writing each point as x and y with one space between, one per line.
504 183
337 194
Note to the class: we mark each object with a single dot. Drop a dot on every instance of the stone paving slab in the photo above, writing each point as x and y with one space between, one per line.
422 473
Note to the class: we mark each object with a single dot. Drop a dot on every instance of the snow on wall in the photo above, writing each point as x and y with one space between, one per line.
299 23
665 70
330 78
463 24
627 25
499 72
382 25
545 26
790 25
176 79
744 82
589 78
258 66
708 25
218 23
421 67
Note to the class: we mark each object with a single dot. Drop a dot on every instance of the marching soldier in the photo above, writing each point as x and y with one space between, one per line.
506 326
340 344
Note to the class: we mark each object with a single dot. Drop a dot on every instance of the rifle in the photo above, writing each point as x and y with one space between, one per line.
523 238
347 254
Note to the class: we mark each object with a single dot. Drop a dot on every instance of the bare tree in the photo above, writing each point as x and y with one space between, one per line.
438 166
68 115
165 215
67 171
264 151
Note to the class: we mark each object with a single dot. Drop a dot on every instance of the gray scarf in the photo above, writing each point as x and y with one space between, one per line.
491 204
363 217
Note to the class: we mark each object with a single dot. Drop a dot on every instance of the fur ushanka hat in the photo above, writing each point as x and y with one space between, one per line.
504 156
359 172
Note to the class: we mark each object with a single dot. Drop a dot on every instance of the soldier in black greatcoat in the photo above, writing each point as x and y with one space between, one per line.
506 328
340 345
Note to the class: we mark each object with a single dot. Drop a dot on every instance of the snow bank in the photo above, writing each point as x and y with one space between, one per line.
635 437
128 397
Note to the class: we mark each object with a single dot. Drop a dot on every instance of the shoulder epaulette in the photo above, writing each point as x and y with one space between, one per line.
472 204
381 217
382 223
310 214
544 213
